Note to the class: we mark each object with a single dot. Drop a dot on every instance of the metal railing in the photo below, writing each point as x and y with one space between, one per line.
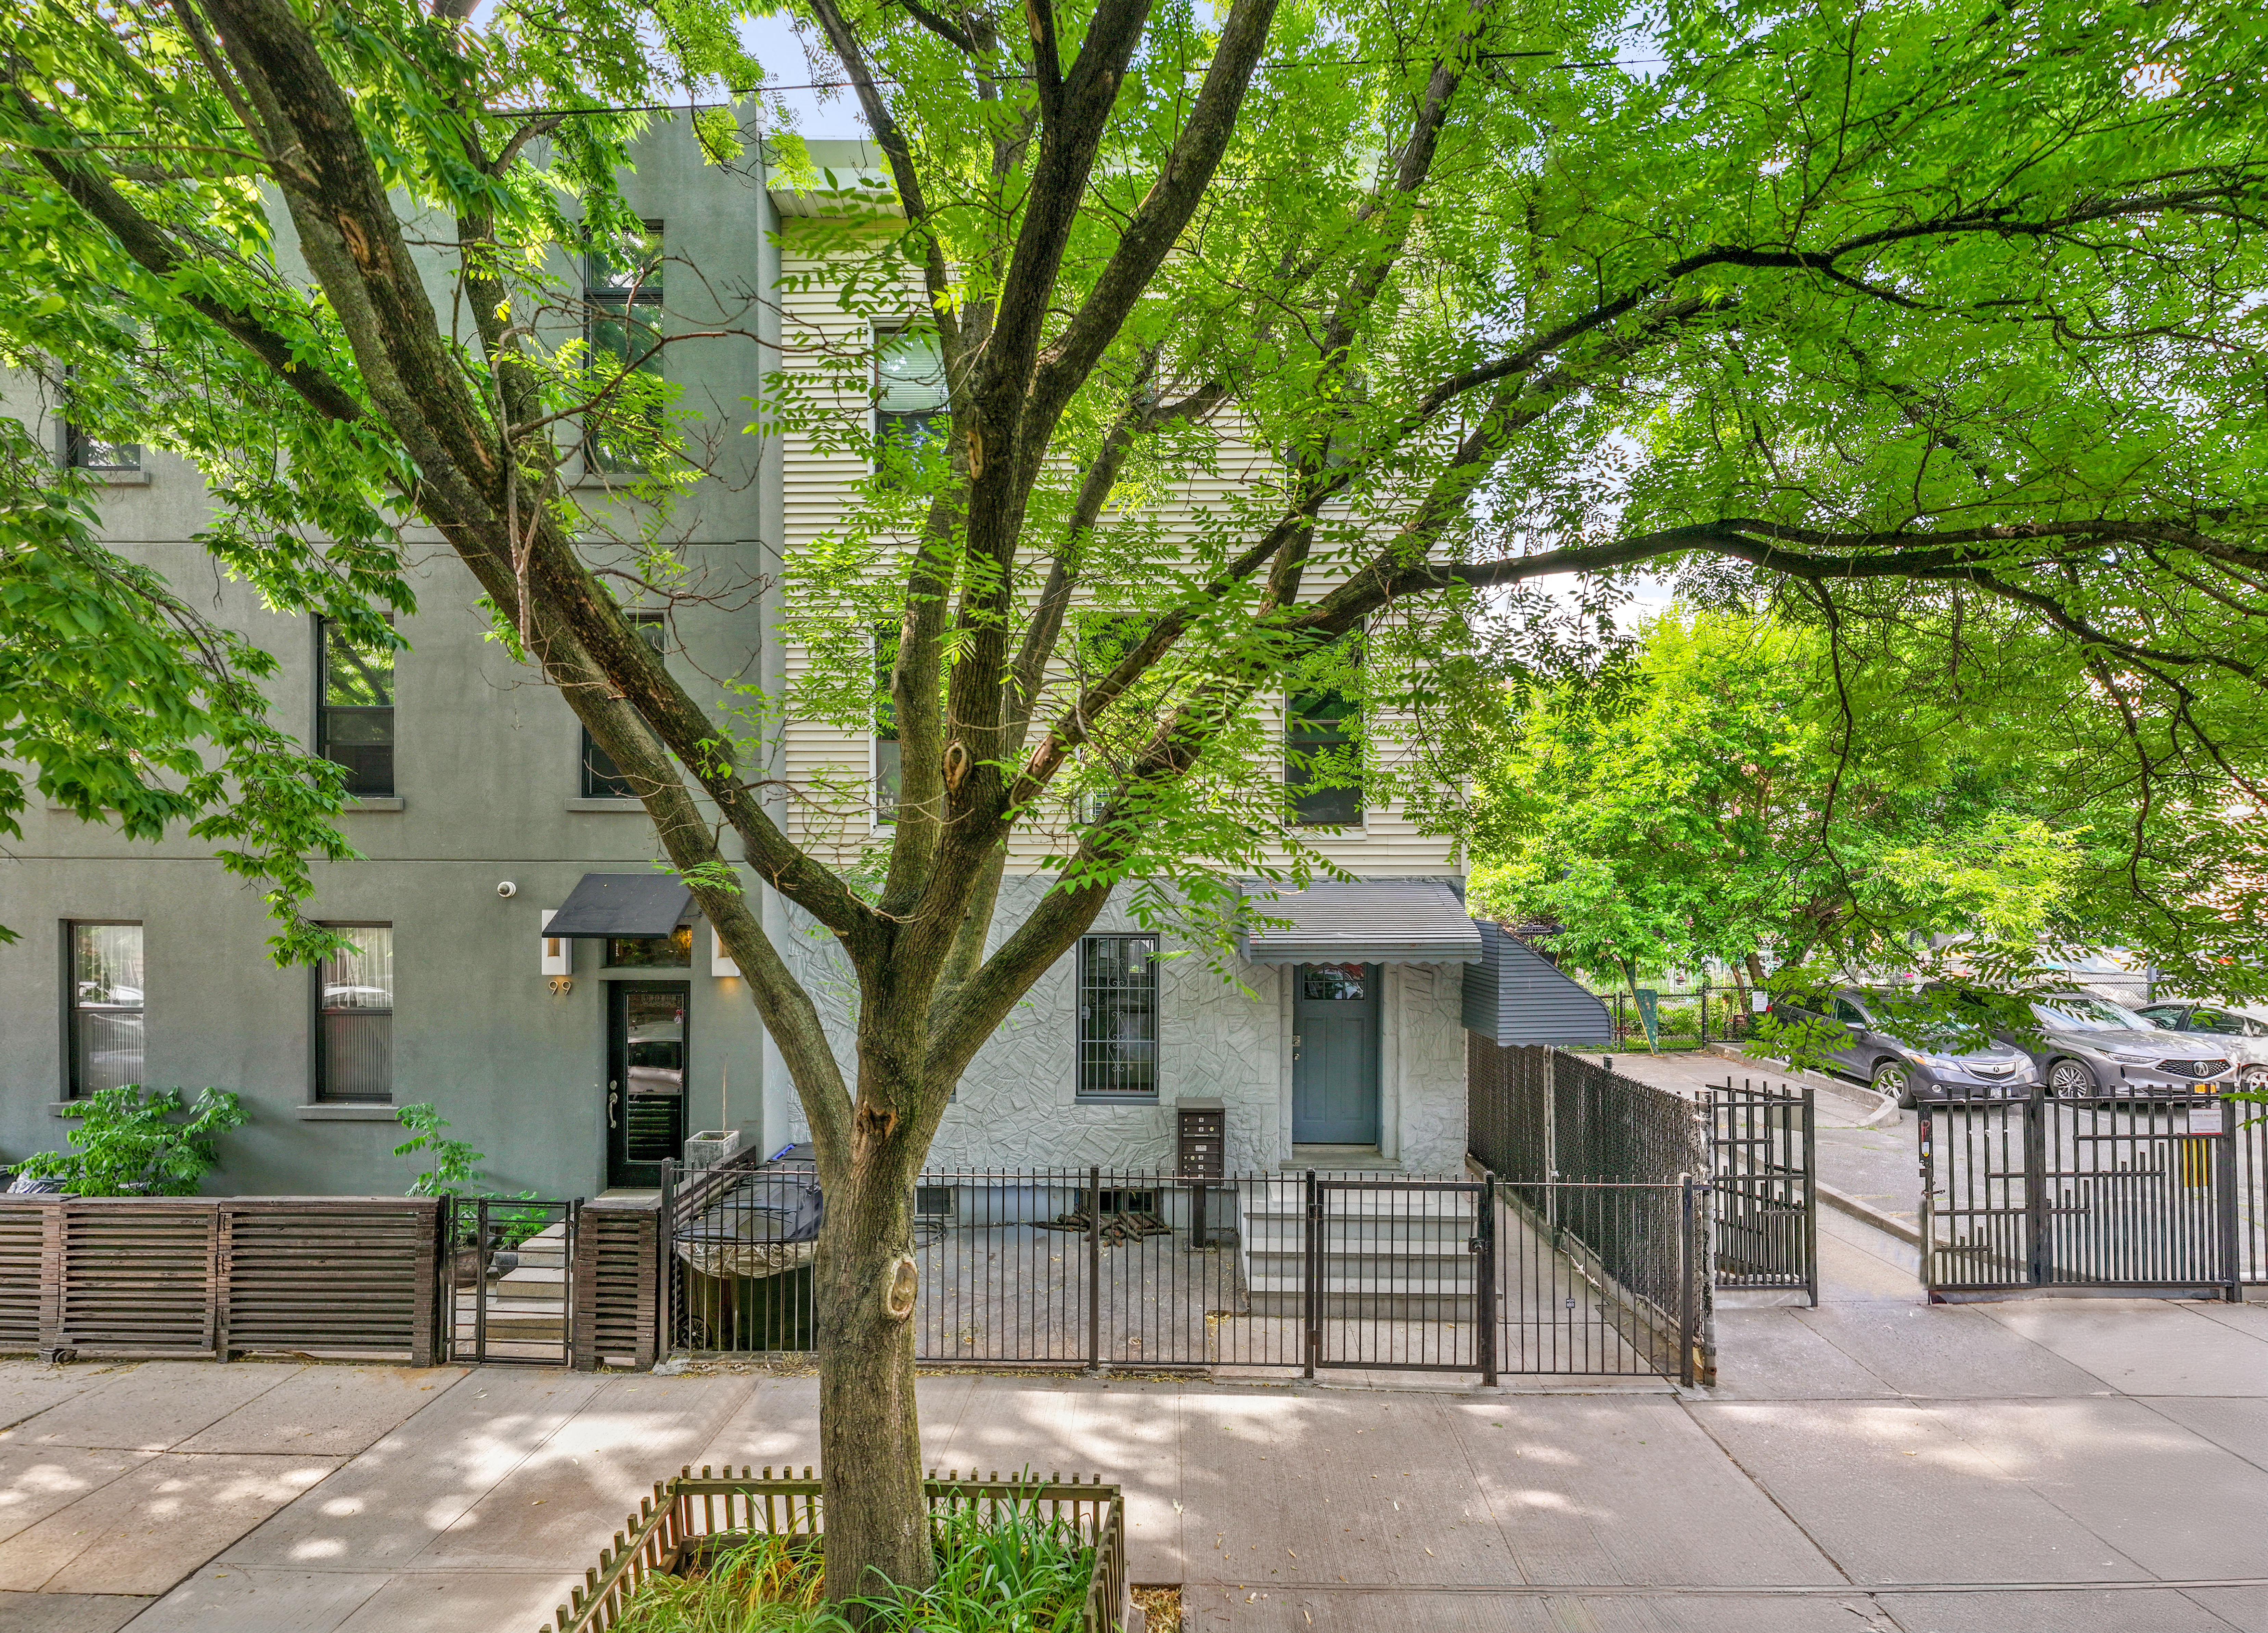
1278 1272
508 1279
1763 1170
2143 1190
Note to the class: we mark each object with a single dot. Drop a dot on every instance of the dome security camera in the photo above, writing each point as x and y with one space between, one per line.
507 890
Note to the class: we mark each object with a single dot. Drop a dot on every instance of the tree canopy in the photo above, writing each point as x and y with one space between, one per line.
1711 799
1919 316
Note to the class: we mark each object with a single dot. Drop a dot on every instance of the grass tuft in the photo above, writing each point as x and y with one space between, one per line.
1005 1569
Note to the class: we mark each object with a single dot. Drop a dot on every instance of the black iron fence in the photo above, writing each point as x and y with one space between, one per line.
1283 1273
2147 1190
508 1279
1683 1021
1764 1174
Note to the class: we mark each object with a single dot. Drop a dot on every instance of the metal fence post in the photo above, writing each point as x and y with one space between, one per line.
665 1307
1486 1271
1094 1270
1810 1198
1311 1277
1685 1266
481 1281
2036 1185
2232 1264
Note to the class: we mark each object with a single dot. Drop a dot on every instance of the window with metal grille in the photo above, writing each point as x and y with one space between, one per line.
1118 1018
106 1000
602 778
354 724
354 1018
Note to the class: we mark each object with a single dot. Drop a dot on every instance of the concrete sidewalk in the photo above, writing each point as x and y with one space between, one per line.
1874 1464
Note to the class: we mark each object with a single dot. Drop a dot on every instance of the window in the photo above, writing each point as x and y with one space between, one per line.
1323 755
622 298
354 1017
105 1001
909 402
889 780
1118 1018
354 724
674 950
602 779
2222 1023
84 451
1849 1013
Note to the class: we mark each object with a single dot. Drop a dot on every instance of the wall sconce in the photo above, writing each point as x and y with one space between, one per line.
721 962
558 951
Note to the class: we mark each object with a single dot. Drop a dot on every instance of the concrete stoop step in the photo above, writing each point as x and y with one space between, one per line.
1388 1254
528 1304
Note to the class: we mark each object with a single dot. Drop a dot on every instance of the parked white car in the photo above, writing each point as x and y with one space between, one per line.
2241 1036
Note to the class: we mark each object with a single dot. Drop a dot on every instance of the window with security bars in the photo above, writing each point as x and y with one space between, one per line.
106 1007
354 1019
602 778
1118 1018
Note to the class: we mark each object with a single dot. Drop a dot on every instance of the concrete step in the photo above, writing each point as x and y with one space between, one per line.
1280 1272
1370 1307
1422 1237
537 1282
546 1249
1269 1200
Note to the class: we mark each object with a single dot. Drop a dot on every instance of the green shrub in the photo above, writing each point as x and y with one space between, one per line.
128 1144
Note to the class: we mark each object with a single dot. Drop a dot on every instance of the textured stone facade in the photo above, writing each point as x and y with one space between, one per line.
1018 1106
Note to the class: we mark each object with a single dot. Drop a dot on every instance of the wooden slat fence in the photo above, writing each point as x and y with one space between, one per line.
617 1302
214 1276
691 1518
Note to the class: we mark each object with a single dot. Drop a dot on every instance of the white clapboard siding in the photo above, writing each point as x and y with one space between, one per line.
817 482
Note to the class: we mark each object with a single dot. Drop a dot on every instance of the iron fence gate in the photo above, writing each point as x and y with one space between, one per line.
2143 1191
1277 1272
1764 1174
507 1278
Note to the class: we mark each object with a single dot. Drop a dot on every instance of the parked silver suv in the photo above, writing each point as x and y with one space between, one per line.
1904 1059
2089 1046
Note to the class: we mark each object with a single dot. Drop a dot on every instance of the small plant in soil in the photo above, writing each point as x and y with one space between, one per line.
1011 1571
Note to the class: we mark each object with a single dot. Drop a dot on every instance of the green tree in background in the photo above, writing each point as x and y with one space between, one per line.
1779 796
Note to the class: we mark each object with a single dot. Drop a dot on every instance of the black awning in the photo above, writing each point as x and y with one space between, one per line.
622 904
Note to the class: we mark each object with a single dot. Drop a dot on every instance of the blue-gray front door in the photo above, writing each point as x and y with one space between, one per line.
1335 1054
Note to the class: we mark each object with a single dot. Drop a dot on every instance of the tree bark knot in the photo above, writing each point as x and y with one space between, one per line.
905 1283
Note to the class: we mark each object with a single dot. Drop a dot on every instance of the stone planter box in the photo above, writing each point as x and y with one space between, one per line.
694 1516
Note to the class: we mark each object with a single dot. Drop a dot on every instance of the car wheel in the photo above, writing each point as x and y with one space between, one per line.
2072 1079
2253 1080
1893 1081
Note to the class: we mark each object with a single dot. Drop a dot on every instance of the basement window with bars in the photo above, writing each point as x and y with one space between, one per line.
354 1020
1118 1018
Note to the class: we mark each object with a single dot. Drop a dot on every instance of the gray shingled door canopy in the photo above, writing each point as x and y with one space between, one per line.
1335 1054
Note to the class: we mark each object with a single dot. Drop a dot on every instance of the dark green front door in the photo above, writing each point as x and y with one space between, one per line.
645 1078
1335 1054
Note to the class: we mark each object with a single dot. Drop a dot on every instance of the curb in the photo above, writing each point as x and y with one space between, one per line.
1883 1113
1866 1213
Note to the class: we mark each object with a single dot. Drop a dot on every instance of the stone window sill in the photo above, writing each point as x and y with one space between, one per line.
607 804
344 1114
120 479
389 803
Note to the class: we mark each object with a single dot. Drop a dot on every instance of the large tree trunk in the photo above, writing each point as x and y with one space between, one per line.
865 1283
